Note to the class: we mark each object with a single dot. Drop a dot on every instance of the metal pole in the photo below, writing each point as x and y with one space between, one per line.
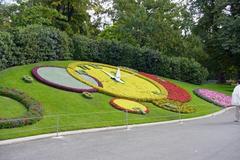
179 116
57 125
126 119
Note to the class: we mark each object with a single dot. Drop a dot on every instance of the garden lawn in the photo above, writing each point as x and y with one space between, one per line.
10 108
64 110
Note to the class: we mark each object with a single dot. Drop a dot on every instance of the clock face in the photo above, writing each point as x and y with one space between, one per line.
118 82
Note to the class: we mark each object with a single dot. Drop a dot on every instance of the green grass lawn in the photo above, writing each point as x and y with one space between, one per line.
76 112
10 108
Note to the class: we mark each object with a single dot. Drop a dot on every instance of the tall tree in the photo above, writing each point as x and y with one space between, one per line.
157 24
76 12
218 28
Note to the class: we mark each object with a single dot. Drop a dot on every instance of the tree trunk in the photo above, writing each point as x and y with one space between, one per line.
222 78
238 74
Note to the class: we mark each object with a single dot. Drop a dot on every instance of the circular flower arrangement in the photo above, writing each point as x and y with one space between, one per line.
87 95
129 106
27 79
119 82
175 92
34 109
59 78
217 98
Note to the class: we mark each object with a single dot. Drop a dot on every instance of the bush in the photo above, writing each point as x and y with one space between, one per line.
6 50
40 43
151 61
32 44
34 109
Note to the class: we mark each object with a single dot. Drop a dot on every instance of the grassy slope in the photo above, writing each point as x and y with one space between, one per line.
10 108
85 113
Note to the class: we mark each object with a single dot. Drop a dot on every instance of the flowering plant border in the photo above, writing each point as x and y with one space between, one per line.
175 92
58 86
34 109
174 106
216 98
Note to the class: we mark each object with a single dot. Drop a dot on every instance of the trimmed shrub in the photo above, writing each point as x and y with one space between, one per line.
151 61
32 44
34 109
6 50
40 43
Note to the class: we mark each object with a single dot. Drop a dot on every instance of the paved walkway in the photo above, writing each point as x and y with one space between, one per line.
214 138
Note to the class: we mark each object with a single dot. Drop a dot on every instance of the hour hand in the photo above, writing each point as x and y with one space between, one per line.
109 74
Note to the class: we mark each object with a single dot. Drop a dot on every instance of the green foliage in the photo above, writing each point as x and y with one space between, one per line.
32 44
218 28
39 43
75 12
150 61
40 15
160 25
6 50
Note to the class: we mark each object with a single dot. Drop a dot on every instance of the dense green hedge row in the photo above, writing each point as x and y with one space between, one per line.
146 60
40 43
34 109
33 44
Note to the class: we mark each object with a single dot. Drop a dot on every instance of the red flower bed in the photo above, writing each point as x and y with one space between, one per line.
175 92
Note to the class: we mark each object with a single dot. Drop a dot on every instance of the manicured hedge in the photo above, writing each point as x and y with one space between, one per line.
6 50
32 44
150 61
34 109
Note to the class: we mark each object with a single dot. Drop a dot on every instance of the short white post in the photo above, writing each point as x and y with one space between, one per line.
179 116
126 118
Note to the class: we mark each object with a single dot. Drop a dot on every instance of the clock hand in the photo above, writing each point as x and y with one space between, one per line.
109 74
116 78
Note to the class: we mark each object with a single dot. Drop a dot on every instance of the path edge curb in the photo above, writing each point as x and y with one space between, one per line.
65 133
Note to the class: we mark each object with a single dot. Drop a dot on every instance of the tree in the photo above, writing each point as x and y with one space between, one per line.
218 28
38 14
153 24
75 11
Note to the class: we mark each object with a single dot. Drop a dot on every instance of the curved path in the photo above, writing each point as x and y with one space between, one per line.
213 138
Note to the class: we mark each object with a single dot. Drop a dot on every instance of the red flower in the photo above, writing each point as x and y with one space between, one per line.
175 92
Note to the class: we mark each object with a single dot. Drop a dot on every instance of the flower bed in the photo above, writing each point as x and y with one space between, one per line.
59 78
174 106
175 92
135 86
27 79
129 106
87 95
34 109
217 98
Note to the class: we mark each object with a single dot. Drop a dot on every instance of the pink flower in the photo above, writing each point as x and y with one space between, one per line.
215 97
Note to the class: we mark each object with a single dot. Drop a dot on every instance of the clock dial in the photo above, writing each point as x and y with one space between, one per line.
129 84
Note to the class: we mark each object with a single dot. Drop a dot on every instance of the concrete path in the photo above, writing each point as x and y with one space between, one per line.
214 138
